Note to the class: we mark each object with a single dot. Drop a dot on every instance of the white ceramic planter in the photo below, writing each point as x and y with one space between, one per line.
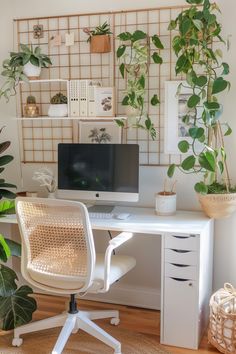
165 203
58 110
32 71
52 195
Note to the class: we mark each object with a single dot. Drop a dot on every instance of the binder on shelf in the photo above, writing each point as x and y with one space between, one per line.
74 89
83 98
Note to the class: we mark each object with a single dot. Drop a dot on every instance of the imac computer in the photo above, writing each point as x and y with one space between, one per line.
98 172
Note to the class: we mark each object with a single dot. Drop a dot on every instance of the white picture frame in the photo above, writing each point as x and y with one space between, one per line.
105 101
175 109
99 132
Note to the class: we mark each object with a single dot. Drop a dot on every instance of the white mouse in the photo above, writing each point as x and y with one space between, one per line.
122 216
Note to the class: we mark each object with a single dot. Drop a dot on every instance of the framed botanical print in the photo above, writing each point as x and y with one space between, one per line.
99 132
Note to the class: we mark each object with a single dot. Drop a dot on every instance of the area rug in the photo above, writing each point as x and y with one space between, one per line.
82 343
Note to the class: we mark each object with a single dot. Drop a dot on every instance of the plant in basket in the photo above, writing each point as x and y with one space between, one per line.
197 28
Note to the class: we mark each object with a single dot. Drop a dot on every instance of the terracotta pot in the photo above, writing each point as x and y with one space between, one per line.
100 44
32 71
218 206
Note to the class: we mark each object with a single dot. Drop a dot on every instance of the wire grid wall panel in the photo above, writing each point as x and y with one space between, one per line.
41 137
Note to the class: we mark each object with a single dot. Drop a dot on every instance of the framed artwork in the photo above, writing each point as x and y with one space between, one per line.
175 109
104 101
99 132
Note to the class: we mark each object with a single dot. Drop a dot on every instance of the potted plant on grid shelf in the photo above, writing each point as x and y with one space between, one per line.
16 306
58 106
99 38
24 65
197 28
135 53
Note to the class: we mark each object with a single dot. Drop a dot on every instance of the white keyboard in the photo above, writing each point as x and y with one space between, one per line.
94 215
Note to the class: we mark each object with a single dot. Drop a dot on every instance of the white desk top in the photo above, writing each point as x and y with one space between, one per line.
144 220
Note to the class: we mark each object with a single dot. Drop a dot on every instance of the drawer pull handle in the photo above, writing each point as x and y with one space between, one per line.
180 265
179 279
183 237
190 284
179 251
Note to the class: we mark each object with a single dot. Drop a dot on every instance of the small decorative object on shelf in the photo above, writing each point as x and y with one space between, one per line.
166 201
22 66
46 178
197 29
135 55
58 106
38 31
31 110
99 38
104 101
222 327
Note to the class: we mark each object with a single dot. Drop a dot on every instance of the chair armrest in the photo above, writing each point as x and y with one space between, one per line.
113 244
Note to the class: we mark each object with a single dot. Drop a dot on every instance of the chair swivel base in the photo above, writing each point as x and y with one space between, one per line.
71 323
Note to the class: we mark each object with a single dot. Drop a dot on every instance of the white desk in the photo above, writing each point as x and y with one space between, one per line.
187 254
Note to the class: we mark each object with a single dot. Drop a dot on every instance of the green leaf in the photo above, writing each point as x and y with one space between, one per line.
185 26
201 188
138 35
181 64
120 122
7 194
4 249
156 58
226 69
171 170
4 146
172 25
122 70
7 207
229 131
184 146
7 282
200 80
17 309
196 133
4 160
120 50
125 101
142 81
34 60
125 36
207 160
219 85
212 106
188 163
154 100
198 24
221 166
193 101
15 248
157 42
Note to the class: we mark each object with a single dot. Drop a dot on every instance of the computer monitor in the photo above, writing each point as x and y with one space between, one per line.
98 172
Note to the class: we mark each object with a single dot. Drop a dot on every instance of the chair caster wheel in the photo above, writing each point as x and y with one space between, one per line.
16 342
115 321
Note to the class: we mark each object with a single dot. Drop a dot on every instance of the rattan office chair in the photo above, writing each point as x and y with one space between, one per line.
58 255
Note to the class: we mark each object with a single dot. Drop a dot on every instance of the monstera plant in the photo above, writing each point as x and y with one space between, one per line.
197 46
16 307
134 54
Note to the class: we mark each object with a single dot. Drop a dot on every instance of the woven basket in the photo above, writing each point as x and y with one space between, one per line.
222 328
218 206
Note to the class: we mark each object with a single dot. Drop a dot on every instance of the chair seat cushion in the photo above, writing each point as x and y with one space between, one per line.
120 265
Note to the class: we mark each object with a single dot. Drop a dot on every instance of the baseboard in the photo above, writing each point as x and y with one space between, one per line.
130 296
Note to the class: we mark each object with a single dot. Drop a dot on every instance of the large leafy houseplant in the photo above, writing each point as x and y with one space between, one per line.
197 29
16 307
135 55
15 67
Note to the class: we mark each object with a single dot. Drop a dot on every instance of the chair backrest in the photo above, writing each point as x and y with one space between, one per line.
57 238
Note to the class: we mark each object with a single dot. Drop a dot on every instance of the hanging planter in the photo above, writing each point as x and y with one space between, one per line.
99 38
100 44
218 206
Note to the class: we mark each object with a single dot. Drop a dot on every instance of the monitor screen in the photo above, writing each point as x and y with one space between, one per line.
99 171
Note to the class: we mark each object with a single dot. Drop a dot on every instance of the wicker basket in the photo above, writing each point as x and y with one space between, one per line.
222 328
218 206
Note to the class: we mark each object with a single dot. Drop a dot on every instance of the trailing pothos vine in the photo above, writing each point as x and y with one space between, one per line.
197 29
135 55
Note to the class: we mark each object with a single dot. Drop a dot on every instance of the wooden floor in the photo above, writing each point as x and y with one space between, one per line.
134 319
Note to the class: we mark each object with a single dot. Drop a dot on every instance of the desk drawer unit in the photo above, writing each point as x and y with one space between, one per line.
180 290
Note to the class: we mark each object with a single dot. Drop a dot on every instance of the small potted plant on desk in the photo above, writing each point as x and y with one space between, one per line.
22 66
99 38
135 55
197 29
58 106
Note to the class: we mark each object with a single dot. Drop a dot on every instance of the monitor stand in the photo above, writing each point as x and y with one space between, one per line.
103 209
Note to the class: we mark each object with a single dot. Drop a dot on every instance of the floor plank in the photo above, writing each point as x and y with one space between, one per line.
134 319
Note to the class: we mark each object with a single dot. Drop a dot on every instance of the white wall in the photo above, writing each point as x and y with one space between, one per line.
151 177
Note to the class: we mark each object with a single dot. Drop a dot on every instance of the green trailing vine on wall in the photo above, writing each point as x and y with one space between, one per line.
135 55
197 28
